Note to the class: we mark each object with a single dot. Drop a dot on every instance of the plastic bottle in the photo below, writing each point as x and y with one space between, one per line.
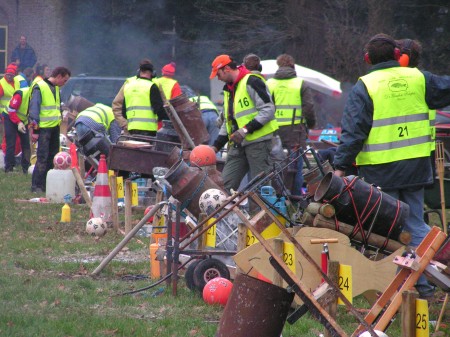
65 211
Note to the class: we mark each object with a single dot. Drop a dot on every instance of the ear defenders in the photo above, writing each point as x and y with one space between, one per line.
404 58
397 52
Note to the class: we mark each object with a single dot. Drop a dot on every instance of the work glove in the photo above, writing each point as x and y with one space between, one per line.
21 127
239 135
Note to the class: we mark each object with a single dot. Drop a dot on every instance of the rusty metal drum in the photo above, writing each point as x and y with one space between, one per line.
188 184
254 309
191 117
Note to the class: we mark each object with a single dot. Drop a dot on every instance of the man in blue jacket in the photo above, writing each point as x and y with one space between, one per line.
23 55
385 129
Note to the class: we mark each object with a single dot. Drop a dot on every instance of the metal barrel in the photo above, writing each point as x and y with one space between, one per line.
383 212
191 117
254 309
188 184
314 176
176 154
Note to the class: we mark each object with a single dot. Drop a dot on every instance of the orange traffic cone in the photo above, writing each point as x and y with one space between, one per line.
101 203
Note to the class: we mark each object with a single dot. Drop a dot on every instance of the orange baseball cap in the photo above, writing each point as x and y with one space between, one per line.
219 62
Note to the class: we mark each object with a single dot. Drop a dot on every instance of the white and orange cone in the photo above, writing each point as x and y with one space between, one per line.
101 203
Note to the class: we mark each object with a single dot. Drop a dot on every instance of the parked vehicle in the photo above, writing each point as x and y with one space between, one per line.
97 89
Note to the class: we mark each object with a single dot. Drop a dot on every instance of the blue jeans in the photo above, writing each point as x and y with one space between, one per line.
415 225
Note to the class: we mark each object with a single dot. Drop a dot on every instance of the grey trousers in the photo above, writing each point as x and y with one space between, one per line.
253 158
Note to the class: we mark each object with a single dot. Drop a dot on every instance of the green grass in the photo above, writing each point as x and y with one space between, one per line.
46 288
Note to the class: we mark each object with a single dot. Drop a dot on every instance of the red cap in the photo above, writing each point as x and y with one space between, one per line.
219 62
169 69
11 69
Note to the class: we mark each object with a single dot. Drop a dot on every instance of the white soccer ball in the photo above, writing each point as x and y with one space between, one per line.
96 227
379 333
211 199
62 161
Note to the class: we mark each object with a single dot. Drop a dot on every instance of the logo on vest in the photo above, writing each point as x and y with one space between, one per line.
398 85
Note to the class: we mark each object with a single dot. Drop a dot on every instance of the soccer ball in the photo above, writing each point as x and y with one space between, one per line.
96 227
211 199
62 161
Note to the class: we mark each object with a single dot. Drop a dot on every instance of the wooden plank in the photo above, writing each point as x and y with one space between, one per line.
128 207
408 313
391 299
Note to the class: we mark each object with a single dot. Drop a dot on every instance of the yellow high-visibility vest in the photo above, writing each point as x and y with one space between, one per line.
100 113
400 128
287 99
50 115
245 110
140 114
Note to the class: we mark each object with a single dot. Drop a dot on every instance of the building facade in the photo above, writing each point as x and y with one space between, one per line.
41 22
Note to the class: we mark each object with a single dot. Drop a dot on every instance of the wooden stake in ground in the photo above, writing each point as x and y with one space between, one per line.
440 155
440 170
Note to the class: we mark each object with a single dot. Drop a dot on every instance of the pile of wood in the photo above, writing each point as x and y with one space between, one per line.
323 215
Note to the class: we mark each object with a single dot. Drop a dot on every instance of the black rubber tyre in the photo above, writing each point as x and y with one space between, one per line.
207 270
189 275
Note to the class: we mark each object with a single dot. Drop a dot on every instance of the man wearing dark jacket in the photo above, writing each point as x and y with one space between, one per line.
385 128
294 106
23 55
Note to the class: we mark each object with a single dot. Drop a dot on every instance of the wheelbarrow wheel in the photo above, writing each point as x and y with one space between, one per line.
189 275
208 269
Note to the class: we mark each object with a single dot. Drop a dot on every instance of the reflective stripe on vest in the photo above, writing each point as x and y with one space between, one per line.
100 113
245 111
287 99
204 103
166 85
50 114
8 91
401 126
139 110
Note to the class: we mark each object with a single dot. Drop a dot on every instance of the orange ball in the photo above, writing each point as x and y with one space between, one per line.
203 155
217 291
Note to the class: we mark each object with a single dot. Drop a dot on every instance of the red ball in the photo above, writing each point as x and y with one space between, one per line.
217 291
62 161
202 155
148 209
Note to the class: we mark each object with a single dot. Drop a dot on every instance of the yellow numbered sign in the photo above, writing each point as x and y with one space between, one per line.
422 318
120 193
251 239
211 234
271 231
289 255
345 283
158 227
134 194
110 173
